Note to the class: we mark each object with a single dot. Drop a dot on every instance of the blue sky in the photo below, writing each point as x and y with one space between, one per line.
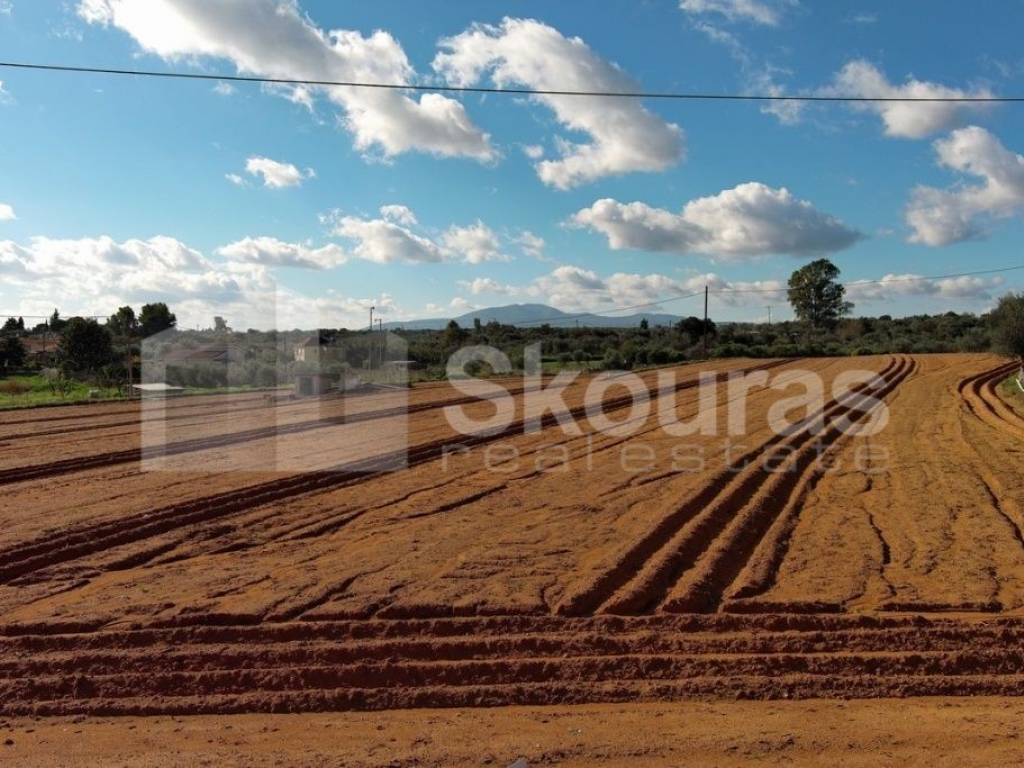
265 205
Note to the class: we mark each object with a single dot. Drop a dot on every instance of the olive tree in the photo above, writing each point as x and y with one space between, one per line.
816 295
1008 325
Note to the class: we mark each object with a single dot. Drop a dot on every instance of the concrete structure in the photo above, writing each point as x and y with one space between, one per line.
313 384
157 389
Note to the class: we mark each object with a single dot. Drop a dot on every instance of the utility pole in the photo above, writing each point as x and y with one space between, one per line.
383 345
369 348
705 329
769 314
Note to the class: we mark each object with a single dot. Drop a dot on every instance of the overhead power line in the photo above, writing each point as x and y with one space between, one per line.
668 95
882 281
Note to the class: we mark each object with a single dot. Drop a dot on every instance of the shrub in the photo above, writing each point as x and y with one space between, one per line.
14 387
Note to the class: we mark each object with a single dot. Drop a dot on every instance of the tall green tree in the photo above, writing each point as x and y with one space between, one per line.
816 295
155 318
1008 325
123 323
85 347
56 322
453 334
12 353
11 326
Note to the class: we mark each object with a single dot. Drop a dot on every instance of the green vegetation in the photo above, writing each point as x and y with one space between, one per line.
94 358
155 318
36 389
1008 324
626 348
816 295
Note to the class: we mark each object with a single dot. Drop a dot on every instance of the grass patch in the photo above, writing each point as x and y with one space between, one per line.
31 391
1011 389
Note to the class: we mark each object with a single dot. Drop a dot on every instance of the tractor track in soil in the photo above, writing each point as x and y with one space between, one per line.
741 501
680 608
378 664
981 399
67 545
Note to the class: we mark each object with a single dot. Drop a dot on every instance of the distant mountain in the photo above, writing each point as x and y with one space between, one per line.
535 315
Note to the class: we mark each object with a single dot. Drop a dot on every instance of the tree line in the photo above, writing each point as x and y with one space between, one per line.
824 326
87 350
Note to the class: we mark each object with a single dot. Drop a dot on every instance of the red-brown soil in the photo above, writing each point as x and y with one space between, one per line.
545 567
696 734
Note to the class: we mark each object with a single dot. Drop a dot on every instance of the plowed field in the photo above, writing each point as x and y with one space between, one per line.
572 555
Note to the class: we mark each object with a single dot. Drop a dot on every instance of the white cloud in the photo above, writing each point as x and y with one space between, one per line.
474 244
275 174
384 241
459 304
485 285
912 120
94 276
893 286
749 220
786 112
755 11
530 244
235 179
757 78
224 88
6 7
399 214
533 151
624 137
943 216
6 212
573 289
273 252
274 38
395 237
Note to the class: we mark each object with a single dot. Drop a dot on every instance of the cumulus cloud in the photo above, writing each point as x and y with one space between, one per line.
273 252
755 11
475 243
399 214
893 286
6 212
396 237
386 242
944 216
911 120
95 275
624 136
274 38
275 174
749 220
224 88
530 244
485 285
574 288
